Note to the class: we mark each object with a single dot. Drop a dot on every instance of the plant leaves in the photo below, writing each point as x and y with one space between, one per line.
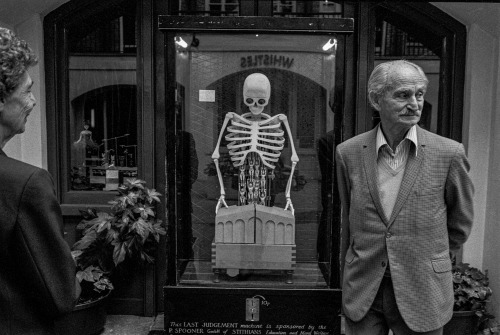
152 195
85 241
119 253
140 227
144 211
158 226
133 182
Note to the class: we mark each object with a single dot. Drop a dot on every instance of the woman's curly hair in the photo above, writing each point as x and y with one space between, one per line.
15 59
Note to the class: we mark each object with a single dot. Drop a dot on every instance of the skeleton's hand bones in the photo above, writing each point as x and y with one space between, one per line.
289 204
221 202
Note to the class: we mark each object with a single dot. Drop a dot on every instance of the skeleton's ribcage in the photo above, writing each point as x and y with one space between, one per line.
253 150
266 141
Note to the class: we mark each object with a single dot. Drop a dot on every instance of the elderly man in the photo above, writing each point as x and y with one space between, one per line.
37 272
406 204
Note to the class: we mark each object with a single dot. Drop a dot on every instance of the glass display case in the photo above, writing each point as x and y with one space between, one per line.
253 111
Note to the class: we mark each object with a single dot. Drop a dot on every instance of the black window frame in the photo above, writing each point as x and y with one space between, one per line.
56 26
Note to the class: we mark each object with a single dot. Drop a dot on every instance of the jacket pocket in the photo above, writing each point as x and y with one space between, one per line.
441 265
349 256
430 190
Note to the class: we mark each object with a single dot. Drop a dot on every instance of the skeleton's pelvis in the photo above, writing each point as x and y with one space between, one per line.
255 224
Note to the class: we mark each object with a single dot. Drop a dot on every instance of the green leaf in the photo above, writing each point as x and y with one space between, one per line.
147 257
133 182
106 225
152 195
132 198
90 273
144 211
119 253
85 241
158 226
140 227
75 254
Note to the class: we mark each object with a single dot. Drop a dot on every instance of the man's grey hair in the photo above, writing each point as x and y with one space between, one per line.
380 82
15 59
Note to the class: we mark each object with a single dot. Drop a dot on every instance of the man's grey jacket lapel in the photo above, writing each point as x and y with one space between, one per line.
370 164
411 173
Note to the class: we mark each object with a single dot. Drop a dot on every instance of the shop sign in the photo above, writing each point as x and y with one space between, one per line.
230 312
236 328
266 60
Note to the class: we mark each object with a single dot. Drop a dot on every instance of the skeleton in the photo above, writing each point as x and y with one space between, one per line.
256 141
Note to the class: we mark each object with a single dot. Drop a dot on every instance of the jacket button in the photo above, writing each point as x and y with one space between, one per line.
383 264
388 235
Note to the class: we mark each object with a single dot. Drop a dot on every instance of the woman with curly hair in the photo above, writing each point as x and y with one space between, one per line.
37 272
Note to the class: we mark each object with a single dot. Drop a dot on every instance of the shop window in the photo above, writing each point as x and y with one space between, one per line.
108 139
392 41
94 100
209 7
228 7
101 115
298 8
102 95
284 7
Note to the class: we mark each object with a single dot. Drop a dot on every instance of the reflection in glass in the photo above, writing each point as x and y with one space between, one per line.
307 8
209 7
210 78
102 94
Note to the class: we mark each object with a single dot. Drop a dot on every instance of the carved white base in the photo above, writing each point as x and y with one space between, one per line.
253 256
254 237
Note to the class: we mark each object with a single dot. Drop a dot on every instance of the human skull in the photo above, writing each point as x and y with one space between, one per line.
256 92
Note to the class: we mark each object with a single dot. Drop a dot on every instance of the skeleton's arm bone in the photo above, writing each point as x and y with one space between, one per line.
222 197
284 119
216 153
216 156
294 160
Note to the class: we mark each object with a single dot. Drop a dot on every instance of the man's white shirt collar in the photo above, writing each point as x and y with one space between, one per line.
410 135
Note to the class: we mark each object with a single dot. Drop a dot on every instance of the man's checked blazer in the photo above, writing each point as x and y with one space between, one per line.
432 216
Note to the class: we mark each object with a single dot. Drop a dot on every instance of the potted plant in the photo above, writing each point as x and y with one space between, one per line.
122 240
471 292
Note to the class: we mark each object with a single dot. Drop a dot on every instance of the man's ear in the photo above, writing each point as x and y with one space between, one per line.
374 100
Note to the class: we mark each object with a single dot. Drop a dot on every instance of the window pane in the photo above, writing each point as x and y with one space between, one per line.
298 8
209 7
210 84
103 106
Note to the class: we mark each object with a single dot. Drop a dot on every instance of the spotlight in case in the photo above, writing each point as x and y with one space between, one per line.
180 42
332 42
